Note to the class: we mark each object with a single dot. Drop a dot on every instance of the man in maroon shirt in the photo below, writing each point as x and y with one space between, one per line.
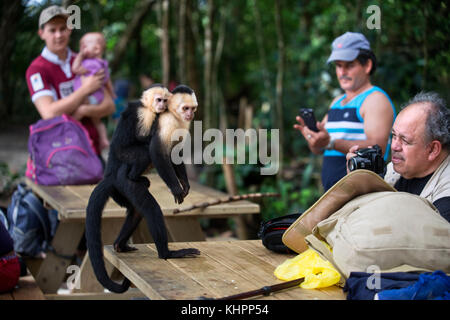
50 78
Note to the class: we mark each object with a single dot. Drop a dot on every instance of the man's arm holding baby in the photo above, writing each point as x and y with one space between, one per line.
105 108
49 108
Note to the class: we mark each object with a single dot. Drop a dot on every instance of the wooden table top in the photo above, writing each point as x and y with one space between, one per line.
71 201
224 268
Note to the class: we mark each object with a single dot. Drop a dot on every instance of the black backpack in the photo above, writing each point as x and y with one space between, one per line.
272 231
31 226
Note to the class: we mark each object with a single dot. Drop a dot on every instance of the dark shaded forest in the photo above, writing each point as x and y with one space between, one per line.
252 64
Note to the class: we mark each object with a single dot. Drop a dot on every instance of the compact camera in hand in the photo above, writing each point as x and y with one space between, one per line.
369 159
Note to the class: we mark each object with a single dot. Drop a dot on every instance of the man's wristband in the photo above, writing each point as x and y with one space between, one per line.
330 145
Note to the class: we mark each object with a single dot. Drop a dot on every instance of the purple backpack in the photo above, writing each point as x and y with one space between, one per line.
62 153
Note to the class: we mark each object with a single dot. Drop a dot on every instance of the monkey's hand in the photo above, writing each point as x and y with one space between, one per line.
186 187
178 194
183 253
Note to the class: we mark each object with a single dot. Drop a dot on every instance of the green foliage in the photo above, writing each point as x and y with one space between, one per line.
296 194
9 179
411 48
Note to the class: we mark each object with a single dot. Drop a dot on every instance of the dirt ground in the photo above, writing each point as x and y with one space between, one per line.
13 146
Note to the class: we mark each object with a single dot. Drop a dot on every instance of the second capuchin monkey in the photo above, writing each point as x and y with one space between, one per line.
154 101
134 193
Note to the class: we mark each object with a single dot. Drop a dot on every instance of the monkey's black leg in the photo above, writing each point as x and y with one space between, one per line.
131 223
144 203
139 167
134 173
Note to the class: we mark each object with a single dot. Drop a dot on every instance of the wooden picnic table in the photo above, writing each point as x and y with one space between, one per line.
71 203
224 268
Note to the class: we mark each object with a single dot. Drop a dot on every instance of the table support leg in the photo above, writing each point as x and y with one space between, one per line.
88 281
53 268
182 229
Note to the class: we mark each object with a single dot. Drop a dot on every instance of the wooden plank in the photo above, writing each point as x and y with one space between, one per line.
254 246
156 278
6 296
71 201
230 254
27 290
58 197
83 192
246 265
223 268
214 276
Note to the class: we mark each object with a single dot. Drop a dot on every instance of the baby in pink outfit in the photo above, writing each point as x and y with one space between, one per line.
88 62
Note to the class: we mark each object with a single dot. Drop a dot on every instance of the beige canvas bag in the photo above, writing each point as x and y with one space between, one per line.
354 184
393 231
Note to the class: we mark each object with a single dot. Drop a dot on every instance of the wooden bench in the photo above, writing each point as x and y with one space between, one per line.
71 203
26 289
224 268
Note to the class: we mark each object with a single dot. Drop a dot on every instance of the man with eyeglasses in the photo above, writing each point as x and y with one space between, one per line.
420 149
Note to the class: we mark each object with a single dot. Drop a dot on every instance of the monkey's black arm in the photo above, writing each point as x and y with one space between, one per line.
180 171
163 164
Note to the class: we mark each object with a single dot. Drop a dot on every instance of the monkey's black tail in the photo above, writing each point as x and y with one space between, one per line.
94 212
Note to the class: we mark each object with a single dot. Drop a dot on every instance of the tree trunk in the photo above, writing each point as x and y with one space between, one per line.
279 86
165 55
182 41
207 76
141 9
262 54
217 99
10 15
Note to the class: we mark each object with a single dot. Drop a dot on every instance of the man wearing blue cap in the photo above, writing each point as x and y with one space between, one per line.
362 116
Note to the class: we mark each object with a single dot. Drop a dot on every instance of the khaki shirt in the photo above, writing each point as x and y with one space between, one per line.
437 187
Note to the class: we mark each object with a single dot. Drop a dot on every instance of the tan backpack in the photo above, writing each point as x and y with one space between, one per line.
388 230
356 183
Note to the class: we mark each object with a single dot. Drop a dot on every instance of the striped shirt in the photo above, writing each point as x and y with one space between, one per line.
345 122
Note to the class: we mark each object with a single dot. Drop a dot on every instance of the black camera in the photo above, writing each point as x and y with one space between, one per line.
369 159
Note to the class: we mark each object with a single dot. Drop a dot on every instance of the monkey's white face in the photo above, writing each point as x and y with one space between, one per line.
160 102
186 106
156 99
187 112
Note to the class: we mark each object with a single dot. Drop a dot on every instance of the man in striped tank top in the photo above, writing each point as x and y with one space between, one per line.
362 116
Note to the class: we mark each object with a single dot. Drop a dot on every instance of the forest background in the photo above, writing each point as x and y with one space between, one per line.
252 64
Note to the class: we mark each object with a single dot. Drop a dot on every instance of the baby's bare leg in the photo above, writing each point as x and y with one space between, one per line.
102 133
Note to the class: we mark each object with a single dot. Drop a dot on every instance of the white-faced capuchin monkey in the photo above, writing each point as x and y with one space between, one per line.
133 148
154 100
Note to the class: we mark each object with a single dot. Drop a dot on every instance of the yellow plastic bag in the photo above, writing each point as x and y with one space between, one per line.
318 273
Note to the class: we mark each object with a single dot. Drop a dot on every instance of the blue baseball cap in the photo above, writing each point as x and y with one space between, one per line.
346 47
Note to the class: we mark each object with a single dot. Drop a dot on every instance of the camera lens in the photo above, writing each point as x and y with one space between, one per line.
351 164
